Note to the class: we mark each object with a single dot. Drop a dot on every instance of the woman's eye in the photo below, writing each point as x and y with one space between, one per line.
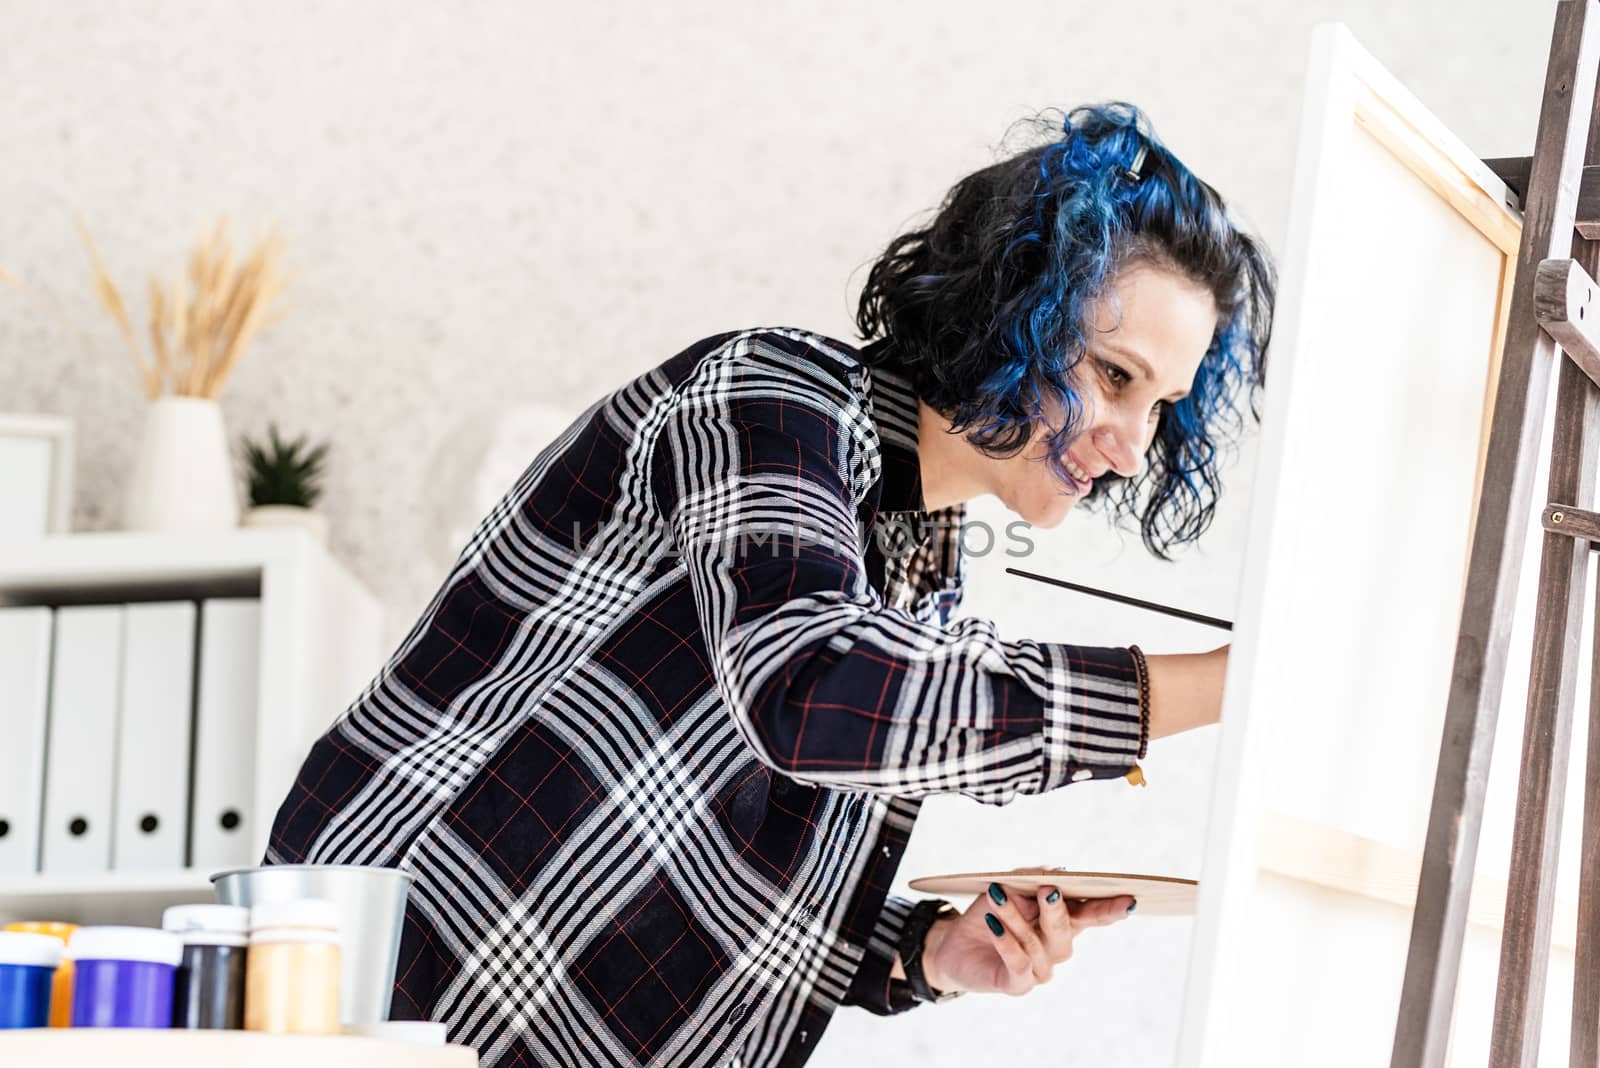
1116 374
1158 409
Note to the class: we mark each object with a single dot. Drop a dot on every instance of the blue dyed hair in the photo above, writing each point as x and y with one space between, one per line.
986 309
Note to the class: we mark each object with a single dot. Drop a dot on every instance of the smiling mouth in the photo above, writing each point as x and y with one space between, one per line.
1082 481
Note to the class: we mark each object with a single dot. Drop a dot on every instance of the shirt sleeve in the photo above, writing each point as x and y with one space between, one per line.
762 470
872 988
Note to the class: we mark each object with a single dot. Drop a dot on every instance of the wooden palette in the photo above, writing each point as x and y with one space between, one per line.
1157 895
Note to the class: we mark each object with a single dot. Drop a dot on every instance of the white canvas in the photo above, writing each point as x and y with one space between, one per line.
1392 298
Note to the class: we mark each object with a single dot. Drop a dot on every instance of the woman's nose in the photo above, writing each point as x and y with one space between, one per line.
1121 448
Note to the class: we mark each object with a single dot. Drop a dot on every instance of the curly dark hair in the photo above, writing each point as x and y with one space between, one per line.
986 308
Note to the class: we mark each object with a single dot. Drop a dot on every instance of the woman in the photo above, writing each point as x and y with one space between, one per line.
654 750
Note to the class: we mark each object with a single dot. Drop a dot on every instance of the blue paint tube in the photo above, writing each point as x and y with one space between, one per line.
27 968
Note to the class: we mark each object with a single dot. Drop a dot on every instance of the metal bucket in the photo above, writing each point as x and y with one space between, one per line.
372 909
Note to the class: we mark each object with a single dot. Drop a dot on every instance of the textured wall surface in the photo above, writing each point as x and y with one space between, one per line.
496 212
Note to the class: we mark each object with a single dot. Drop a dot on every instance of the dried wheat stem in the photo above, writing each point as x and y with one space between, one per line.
158 335
111 297
199 329
260 284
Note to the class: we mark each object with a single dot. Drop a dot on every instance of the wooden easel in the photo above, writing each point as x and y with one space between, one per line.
1553 306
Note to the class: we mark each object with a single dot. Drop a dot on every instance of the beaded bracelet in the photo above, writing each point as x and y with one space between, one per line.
1143 671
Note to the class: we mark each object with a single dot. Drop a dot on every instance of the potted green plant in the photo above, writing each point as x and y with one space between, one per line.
285 482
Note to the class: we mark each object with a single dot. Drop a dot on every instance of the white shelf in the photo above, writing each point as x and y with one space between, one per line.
176 881
102 897
320 645
132 1048
94 561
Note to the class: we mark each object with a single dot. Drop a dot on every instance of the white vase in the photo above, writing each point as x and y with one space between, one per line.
288 515
183 476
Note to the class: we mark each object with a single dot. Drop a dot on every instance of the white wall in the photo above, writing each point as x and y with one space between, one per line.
501 204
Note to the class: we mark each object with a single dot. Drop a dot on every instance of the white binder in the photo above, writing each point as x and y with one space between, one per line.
25 635
80 761
224 830
150 813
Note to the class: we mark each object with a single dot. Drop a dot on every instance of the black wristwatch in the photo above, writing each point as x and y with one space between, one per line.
912 935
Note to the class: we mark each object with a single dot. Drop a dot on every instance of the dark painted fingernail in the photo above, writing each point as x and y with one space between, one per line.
994 924
997 894
1054 896
1133 905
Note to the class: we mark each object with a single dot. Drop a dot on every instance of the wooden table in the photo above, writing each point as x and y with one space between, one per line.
98 1047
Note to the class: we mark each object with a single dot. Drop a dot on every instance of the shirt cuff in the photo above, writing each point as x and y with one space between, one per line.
872 988
1092 714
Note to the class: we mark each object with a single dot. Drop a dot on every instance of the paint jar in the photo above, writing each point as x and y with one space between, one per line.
292 977
208 992
61 989
27 968
124 976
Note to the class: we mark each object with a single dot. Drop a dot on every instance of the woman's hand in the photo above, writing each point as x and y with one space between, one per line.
1036 933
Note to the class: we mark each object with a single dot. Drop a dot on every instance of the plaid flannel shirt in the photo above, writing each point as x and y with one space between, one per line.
654 749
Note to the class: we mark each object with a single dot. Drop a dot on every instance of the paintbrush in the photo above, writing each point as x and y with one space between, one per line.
1122 598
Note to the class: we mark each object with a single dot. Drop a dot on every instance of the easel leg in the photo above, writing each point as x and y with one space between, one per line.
1547 730
1586 971
1499 536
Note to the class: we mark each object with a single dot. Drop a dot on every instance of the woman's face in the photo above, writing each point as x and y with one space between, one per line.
1151 331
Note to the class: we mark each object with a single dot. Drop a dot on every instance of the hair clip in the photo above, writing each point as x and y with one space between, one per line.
1131 172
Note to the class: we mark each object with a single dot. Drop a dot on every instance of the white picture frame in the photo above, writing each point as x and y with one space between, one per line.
36 476
1396 283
